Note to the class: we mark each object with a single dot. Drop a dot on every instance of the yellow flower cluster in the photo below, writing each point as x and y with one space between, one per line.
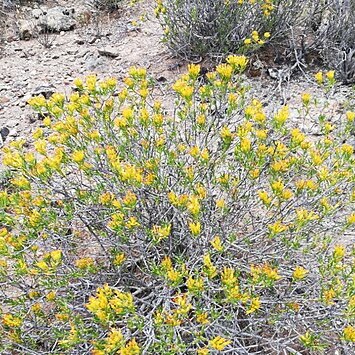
108 304
255 38
115 343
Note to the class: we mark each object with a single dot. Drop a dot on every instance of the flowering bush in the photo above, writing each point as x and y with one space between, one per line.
220 229
199 28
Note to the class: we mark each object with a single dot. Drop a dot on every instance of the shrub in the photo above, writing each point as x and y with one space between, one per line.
105 4
335 37
199 28
215 230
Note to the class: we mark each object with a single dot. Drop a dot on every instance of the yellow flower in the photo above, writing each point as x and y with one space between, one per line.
221 203
319 77
277 186
119 259
219 343
210 269
267 34
132 223
21 182
287 194
42 265
137 73
36 307
282 115
225 71
51 296
194 70
351 219
329 295
78 156
56 255
195 285
299 273
167 263
217 244
131 348
306 98
330 75
347 149
226 134
173 275
228 277
349 333
350 115
78 83
201 120
205 155
270 272
195 228
84 263
91 82
247 41
254 305
106 198
114 340
339 252
130 199
193 206
264 197
161 232
261 134
238 62
11 321
245 145
277 228
41 146
195 151
202 318
183 89
201 191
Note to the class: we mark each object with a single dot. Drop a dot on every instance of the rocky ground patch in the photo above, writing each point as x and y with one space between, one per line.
48 46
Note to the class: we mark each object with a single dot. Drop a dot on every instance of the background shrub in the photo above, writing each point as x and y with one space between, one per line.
199 28
215 230
105 4
335 37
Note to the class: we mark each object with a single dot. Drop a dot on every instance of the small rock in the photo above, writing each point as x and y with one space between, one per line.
4 88
79 41
93 63
109 52
162 79
93 39
72 51
13 133
4 99
4 133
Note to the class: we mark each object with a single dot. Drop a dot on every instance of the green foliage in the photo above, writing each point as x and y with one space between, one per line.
214 230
